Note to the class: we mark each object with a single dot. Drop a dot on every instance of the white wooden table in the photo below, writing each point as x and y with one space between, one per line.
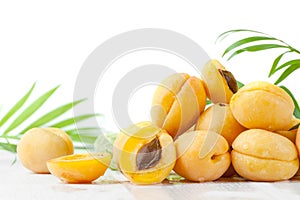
18 183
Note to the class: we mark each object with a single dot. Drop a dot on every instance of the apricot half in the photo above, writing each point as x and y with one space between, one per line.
262 105
79 168
202 155
261 155
177 103
219 83
219 118
144 153
38 145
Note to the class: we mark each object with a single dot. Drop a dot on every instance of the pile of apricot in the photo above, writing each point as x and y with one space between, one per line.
250 130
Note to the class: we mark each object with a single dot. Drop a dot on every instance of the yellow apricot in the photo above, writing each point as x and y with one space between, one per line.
201 155
38 145
219 83
219 118
177 103
262 105
290 134
144 153
79 168
262 155
297 141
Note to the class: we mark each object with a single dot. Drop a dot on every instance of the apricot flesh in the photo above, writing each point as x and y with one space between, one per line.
144 153
261 155
38 145
177 103
201 155
219 83
79 168
262 105
219 118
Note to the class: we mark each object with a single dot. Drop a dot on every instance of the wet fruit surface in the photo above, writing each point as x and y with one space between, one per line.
262 155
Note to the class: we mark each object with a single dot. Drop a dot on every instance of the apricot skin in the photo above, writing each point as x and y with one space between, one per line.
262 105
38 145
201 155
177 103
219 118
261 155
297 141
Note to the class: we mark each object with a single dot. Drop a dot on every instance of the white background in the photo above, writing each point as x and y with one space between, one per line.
47 42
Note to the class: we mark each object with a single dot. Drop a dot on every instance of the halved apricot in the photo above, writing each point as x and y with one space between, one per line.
219 83
144 153
79 168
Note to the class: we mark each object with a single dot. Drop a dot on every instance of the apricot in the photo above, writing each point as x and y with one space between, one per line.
177 103
290 134
219 83
261 155
262 105
201 155
144 153
219 118
38 145
79 168
292 130
297 141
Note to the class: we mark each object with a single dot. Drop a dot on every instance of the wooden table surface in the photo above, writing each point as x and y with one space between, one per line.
18 183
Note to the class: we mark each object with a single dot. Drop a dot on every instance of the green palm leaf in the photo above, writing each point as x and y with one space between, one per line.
275 63
254 48
51 115
85 135
297 108
287 72
86 130
8 147
17 106
90 139
240 84
227 33
246 41
289 63
30 110
71 121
